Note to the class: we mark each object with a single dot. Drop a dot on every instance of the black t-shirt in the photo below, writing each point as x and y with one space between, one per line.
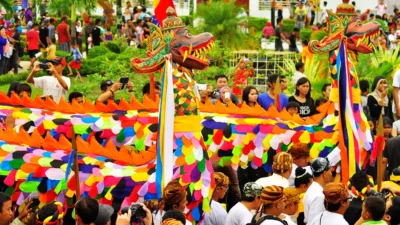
307 108
278 34
392 153
353 213
43 34
96 36
292 40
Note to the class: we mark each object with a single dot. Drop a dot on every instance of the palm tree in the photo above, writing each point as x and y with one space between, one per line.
7 6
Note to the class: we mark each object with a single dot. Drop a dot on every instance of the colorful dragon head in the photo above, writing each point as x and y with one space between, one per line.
345 25
174 38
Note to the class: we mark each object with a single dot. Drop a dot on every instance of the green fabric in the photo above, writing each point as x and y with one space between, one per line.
380 222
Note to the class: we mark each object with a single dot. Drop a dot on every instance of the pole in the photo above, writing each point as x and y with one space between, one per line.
379 159
273 13
76 166
152 87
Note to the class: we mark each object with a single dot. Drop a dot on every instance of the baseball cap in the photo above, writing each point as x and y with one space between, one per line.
252 190
105 213
105 84
59 60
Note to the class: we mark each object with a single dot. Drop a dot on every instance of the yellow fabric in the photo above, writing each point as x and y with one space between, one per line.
51 52
187 124
356 95
301 205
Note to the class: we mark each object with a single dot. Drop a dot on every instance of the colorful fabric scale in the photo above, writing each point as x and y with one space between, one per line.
117 150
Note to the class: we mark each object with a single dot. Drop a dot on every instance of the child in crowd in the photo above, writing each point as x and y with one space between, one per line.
51 50
320 101
108 35
305 53
393 39
382 41
76 62
90 43
373 210
292 39
293 108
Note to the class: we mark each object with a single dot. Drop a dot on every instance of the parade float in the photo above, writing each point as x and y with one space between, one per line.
127 152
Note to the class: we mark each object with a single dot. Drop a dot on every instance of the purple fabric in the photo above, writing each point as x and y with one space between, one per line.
28 15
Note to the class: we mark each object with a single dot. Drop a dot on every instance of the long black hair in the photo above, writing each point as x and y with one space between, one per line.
246 92
302 81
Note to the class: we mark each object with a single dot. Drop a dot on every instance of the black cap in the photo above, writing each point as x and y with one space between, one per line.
105 84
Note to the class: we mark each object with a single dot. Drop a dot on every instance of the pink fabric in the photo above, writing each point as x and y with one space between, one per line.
268 31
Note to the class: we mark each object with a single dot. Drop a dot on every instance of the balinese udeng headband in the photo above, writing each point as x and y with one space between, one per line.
364 191
50 220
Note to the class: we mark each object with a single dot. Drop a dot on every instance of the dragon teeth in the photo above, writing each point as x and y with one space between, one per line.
185 55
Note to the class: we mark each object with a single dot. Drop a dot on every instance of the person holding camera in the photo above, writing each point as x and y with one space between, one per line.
134 213
109 88
55 85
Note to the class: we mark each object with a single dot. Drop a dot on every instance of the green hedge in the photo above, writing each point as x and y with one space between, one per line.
288 25
305 34
257 23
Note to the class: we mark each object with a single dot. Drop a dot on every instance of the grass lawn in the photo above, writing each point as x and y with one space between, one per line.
92 94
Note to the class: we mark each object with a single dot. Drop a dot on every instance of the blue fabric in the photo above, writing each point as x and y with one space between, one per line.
266 101
3 41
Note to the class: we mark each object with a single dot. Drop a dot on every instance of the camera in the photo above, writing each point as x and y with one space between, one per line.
383 194
43 66
137 212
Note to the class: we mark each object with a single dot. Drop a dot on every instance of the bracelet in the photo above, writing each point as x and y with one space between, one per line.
130 90
111 91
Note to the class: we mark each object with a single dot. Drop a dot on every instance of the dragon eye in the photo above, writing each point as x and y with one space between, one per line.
189 34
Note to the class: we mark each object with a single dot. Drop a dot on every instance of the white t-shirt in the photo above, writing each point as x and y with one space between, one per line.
271 222
217 216
238 215
293 174
327 217
288 219
275 179
51 86
396 83
313 202
396 125
393 45
158 218
296 76
381 9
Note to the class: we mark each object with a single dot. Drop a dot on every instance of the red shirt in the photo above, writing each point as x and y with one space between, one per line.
241 80
62 32
32 37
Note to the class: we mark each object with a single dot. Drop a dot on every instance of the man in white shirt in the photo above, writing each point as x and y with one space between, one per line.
337 201
282 167
273 204
324 12
55 85
396 93
292 204
314 198
240 214
299 73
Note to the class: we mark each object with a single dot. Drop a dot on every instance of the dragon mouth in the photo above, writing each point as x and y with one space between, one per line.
372 40
198 53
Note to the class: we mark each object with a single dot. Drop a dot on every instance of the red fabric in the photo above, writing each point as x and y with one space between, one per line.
75 65
241 80
268 31
160 10
32 37
62 33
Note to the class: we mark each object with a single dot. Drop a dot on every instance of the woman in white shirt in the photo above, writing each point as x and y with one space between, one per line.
218 214
301 154
174 198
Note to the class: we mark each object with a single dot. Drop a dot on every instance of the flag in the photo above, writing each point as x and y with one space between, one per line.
165 154
160 9
349 142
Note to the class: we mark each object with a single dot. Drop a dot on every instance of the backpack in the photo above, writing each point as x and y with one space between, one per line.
262 219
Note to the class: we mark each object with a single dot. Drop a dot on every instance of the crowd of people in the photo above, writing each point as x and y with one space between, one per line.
305 17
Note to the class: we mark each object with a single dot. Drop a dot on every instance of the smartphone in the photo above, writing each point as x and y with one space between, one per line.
246 60
124 81
386 86
34 197
43 66
202 87
227 95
